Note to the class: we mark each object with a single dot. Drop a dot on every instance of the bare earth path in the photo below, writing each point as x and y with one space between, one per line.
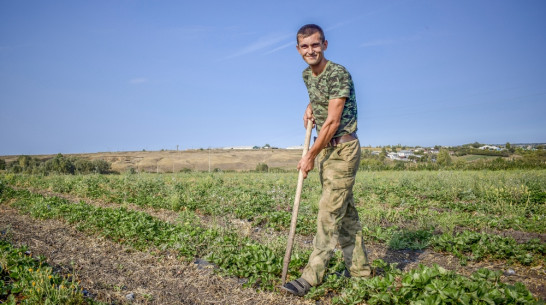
111 271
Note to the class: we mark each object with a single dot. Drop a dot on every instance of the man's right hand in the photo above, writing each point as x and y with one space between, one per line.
306 164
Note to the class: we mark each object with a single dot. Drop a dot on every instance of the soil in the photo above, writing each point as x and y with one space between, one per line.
110 272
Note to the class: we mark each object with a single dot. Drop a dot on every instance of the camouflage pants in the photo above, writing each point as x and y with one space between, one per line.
337 217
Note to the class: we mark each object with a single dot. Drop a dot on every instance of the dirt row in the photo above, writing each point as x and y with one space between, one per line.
533 278
116 274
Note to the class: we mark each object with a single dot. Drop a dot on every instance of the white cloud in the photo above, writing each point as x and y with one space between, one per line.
261 44
284 46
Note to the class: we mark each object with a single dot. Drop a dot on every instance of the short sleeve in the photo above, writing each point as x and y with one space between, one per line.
340 81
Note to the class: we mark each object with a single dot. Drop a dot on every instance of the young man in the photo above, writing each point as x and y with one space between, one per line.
332 108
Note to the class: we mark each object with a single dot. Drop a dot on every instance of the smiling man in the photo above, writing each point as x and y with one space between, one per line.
332 107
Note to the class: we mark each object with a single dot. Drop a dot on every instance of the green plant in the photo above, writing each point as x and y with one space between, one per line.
262 167
425 285
29 280
399 208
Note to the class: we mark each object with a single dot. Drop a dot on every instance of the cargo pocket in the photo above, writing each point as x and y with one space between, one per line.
342 183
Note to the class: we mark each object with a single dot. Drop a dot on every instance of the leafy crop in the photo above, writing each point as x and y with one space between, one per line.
477 246
235 255
415 201
26 280
443 210
424 285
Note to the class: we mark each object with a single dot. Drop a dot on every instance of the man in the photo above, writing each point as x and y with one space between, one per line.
332 108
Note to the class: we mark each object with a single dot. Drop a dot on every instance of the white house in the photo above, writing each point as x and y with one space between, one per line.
490 147
295 147
239 147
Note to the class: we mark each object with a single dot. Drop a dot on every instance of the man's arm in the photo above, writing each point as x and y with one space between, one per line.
329 128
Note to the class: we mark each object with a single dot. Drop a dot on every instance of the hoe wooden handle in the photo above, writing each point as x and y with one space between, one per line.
296 207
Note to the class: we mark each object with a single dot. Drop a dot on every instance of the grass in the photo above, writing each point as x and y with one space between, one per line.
470 158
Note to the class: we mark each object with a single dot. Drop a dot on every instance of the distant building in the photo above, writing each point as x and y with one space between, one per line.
489 147
295 147
393 156
405 153
402 155
431 151
239 147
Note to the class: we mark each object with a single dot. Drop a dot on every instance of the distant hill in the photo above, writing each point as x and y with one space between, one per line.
169 161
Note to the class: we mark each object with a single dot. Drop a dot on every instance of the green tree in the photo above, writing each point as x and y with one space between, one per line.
82 166
460 164
383 154
443 159
24 161
101 166
510 148
15 168
399 165
372 164
262 167
424 158
2 164
60 164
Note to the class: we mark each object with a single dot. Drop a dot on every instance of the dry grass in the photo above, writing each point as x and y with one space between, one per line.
196 160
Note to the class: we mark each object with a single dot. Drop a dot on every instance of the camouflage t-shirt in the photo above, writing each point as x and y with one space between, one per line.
334 82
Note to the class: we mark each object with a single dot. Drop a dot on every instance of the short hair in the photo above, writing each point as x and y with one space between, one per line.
308 30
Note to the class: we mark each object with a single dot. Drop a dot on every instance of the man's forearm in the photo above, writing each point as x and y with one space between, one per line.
329 128
326 133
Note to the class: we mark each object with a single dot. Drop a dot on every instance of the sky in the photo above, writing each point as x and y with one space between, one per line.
127 75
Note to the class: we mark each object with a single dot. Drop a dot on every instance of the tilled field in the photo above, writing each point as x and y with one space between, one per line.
116 274
112 271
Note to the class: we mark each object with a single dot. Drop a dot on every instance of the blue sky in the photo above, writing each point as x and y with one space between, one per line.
123 75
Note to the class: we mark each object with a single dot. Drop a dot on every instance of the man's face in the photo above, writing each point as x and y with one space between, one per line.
312 49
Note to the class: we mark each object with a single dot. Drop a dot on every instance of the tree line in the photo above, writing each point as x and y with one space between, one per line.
451 160
448 159
59 164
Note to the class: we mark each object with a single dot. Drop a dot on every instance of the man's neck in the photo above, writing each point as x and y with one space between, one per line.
318 68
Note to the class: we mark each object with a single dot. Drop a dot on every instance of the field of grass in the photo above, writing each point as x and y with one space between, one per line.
470 158
473 216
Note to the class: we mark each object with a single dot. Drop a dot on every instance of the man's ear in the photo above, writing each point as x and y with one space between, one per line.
325 43
298 48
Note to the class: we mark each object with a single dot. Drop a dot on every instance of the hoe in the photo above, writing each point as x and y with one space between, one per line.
296 207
